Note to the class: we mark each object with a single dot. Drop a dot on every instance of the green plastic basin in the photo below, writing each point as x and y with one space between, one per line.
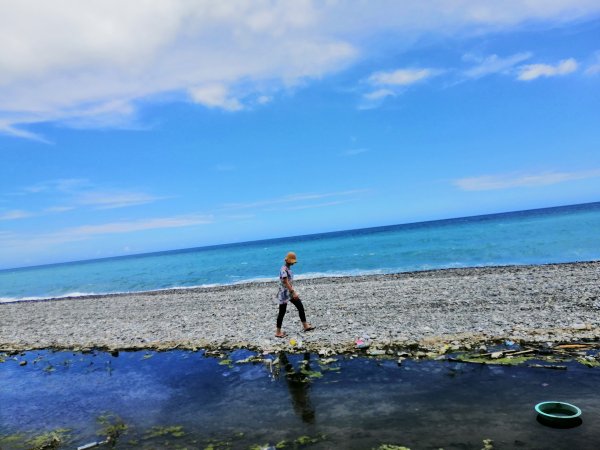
557 411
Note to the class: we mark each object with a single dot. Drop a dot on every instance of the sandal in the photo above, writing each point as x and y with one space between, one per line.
281 336
309 328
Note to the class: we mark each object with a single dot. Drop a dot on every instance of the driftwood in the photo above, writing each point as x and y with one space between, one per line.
544 366
509 352
573 346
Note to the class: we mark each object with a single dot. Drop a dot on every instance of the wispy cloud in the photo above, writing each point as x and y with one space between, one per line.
33 244
140 225
11 130
317 205
493 64
384 84
508 181
112 200
379 94
62 185
290 199
15 215
533 71
594 67
58 209
400 77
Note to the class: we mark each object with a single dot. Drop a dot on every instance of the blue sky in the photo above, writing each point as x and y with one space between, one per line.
165 125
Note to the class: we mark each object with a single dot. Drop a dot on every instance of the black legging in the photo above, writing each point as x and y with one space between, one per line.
283 307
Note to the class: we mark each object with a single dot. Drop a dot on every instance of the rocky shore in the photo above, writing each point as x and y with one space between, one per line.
420 311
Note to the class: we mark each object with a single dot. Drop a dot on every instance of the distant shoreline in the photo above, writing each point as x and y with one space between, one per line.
424 309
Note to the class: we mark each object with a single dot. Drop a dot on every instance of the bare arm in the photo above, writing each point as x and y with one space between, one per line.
288 285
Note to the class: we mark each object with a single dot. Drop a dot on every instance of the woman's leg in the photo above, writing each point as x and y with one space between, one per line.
282 309
298 304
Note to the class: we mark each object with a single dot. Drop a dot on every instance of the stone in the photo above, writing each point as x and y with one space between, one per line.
375 352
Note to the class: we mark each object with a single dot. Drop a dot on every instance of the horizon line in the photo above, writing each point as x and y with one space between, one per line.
283 238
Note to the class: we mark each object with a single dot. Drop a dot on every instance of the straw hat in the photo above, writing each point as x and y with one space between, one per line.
291 258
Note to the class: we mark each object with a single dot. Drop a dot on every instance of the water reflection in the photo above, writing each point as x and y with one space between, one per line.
299 386
190 400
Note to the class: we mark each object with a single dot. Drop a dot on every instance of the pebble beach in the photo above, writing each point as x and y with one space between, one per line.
426 310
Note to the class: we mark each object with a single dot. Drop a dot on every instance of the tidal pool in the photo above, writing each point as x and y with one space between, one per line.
188 400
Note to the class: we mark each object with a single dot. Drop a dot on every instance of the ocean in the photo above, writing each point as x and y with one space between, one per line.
541 236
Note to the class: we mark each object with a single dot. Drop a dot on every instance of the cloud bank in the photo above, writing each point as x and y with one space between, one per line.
508 181
90 64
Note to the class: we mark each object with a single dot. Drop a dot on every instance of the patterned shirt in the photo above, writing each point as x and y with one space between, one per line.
284 293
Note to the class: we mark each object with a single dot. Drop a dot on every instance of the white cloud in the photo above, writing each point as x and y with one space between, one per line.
400 77
215 96
392 83
379 94
92 63
15 215
508 181
533 71
494 64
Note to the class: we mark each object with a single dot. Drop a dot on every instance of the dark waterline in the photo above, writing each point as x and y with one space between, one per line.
182 399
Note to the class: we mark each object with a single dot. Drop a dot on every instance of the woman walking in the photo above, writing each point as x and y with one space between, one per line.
287 293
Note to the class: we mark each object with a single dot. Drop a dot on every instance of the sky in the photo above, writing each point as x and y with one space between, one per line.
145 126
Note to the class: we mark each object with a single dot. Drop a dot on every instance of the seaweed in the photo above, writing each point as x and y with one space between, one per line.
113 427
299 442
588 362
50 440
506 361
158 431
11 439
311 373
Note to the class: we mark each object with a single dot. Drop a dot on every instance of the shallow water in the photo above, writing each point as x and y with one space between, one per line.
355 403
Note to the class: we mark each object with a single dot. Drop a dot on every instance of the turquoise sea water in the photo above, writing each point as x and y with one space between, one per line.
551 235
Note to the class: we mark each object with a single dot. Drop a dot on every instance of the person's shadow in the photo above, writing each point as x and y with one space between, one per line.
298 384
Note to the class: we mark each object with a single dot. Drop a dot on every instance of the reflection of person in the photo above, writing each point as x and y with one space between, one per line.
298 385
287 293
